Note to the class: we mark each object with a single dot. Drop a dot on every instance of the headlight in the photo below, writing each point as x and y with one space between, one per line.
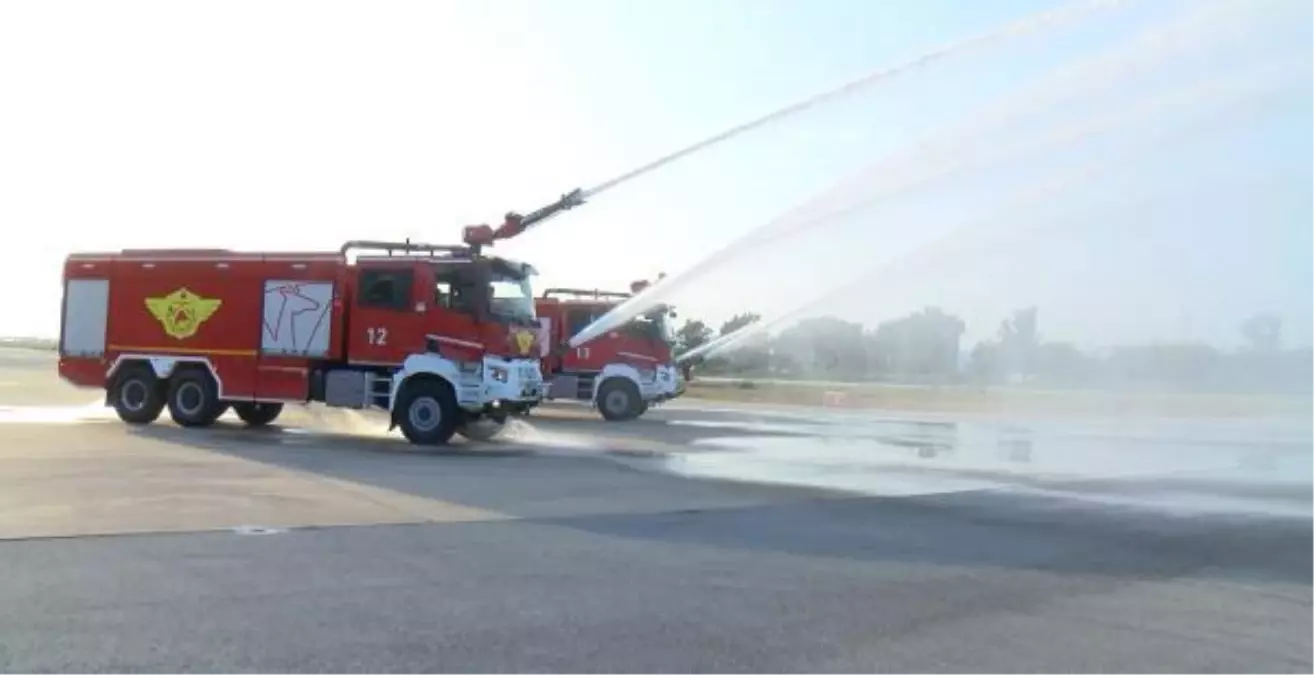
498 373
666 375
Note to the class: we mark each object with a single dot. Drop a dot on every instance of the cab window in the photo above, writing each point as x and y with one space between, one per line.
577 319
453 289
386 289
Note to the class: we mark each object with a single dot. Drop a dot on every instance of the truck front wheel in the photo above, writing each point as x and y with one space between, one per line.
619 400
256 413
426 412
483 429
194 398
136 395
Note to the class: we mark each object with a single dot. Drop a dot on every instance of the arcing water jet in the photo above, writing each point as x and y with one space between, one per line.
1183 107
949 151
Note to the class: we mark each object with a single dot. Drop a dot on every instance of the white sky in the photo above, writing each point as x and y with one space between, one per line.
297 125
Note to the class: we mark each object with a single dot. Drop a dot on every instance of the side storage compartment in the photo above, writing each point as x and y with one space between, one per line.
86 318
347 389
300 323
564 387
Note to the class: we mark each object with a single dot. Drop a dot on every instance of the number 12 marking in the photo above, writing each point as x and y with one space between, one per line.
376 336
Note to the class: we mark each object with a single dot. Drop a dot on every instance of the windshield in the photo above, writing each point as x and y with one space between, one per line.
511 298
654 325
664 328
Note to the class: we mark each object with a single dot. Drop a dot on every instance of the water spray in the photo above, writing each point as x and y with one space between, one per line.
1085 76
1012 30
1005 218
1207 21
515 224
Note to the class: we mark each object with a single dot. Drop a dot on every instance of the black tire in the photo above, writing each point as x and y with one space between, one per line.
257 413
136 395
619 400
426 412
194 398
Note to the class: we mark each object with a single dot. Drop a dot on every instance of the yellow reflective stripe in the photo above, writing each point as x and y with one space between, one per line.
183 350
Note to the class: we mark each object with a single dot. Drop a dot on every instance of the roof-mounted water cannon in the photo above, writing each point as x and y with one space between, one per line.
513 224
637 287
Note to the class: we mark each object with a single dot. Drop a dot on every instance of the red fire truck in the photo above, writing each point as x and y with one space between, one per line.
443 338
621 372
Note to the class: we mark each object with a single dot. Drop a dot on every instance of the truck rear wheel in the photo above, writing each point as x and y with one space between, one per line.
257 413
619 400
426 412
194 398
135 394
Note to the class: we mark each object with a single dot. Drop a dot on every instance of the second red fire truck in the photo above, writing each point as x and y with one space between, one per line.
621 372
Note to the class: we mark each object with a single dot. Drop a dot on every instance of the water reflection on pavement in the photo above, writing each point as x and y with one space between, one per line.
1228 465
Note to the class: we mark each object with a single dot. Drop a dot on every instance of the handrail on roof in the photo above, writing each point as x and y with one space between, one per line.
177 251
406 247
585 293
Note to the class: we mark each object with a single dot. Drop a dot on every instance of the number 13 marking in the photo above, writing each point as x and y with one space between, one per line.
376 336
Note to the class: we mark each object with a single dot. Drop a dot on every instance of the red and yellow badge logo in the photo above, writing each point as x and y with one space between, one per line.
523 341
182 312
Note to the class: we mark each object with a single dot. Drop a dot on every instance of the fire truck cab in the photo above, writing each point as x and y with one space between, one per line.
441 338
621 372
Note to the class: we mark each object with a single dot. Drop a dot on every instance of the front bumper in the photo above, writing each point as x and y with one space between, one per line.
669 384
512 381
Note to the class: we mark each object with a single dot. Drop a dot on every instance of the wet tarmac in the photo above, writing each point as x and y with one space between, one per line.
700 538
1262 465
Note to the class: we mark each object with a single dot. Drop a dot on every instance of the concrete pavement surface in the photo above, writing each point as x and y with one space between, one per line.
701 538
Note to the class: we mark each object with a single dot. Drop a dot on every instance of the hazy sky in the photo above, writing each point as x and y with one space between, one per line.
297 125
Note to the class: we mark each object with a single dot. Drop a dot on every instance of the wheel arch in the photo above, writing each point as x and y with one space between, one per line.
448 423
164 367
621 370
423 365
421 368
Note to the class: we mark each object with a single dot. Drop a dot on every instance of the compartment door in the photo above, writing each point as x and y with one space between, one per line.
297 318
86 313
296 322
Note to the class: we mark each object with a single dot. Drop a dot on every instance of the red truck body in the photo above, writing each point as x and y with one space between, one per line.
254 331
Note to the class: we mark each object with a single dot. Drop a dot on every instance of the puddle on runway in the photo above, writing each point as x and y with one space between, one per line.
56 414
752 427
888 456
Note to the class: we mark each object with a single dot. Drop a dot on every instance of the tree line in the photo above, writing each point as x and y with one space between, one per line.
925 347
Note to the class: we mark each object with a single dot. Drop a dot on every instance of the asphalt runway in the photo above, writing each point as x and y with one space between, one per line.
705 538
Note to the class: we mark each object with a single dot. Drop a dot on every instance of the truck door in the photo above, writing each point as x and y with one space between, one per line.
453 318
387 313
590 356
